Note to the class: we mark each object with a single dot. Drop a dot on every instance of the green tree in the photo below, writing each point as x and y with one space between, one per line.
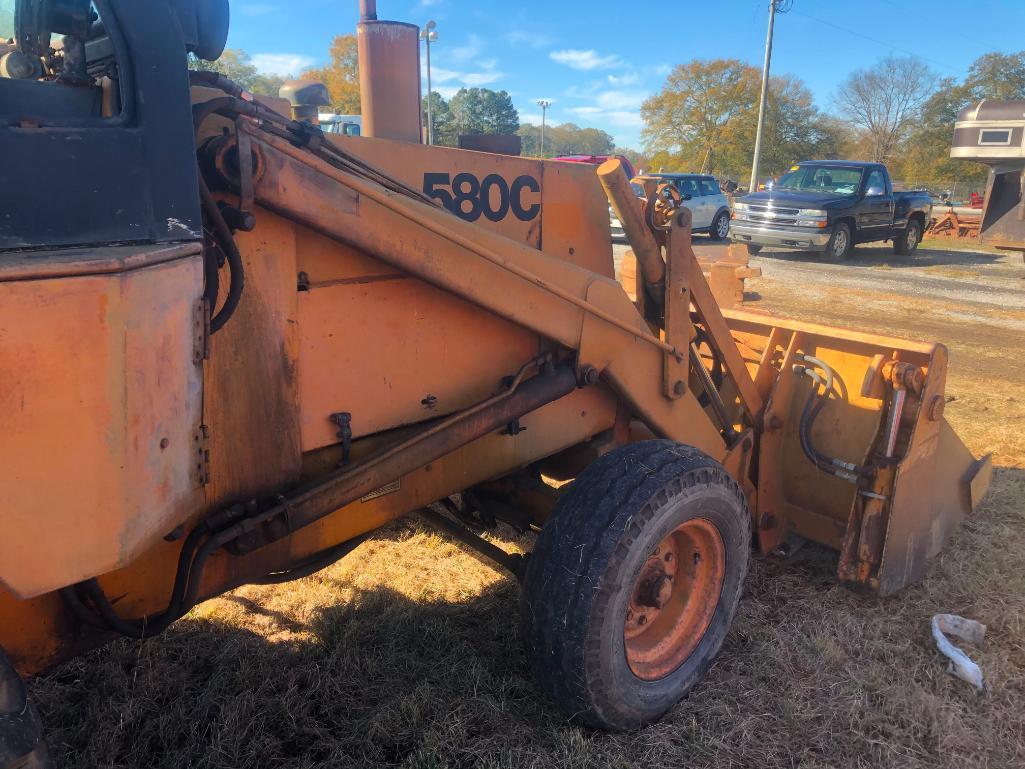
236 65
565 139
794 130
483 111
441 116
705 117
996 76
637 159
340 75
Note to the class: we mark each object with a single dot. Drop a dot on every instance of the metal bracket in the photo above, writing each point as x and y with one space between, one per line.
201 453
201 331
245 171
513 428
678 326
343 419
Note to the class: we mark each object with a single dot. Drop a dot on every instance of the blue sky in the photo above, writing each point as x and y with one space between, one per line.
597 61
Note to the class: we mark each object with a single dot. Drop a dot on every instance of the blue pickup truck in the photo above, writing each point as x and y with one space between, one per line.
828 206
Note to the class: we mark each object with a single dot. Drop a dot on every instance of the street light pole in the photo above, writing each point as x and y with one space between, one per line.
774 5
544 104
428 35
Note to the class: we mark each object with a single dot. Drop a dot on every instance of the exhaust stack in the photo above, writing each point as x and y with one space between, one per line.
389 76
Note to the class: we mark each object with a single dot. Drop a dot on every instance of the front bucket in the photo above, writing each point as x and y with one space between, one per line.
877 473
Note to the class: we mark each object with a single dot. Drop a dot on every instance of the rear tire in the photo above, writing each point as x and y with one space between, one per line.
840 243
21 731
907 242
655 530
753 248
720 228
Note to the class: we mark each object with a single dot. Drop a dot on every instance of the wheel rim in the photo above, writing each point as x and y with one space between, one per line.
912 240
840 243
723 228
674 599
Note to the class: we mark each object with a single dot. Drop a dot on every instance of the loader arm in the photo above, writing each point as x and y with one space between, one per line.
584 312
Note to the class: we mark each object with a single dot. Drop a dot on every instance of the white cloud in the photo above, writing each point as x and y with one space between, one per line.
470 50
456 78
585 60
445 91
603 118
282 63
529 39
630 78
621 99
530 118
439 75
476 79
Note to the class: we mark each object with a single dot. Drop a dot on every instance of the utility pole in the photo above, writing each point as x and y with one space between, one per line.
781 6
428 35
544 104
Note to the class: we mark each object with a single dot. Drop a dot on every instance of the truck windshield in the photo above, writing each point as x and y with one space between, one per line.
839 180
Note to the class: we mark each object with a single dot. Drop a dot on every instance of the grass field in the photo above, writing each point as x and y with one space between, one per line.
407 652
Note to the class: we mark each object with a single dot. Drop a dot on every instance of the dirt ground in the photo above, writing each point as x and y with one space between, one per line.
407 654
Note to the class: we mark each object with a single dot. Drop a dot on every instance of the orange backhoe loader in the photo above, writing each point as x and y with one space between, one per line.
234 346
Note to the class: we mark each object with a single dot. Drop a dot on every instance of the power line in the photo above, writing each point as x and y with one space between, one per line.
878 42
938 20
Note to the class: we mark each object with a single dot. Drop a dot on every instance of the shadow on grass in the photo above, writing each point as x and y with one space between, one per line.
836 677
381 681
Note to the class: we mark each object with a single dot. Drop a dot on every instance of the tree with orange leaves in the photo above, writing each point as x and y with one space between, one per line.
340 75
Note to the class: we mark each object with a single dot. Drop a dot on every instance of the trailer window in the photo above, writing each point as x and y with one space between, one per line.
995 136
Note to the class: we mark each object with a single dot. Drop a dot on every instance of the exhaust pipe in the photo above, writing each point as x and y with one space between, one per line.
389 76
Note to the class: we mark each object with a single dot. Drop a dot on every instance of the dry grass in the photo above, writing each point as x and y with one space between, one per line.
407 654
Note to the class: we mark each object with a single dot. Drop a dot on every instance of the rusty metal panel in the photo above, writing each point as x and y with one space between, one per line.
389 78
101 402
937 483
575 217
391 349
251 407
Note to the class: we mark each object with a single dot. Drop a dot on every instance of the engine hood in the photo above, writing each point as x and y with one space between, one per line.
789 199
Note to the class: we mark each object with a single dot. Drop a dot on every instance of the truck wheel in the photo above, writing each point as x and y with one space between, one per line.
840 244
907 242
634 583
720 226
753 248
21 732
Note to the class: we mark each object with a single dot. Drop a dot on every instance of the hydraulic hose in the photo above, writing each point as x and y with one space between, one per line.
103 614
812 408
219 227
227 243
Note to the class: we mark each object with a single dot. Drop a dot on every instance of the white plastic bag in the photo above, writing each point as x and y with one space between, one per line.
969 630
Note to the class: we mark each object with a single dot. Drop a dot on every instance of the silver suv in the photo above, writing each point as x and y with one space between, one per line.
707 203
701 194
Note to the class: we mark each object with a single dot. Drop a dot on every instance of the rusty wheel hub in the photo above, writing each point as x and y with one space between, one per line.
674 599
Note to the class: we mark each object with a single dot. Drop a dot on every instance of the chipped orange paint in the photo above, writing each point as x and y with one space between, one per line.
100 402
